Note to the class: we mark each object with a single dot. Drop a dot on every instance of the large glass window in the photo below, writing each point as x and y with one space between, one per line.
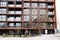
26 4
26 25
3 3
42 5
34 18
11 25
18 25
2 24
2 18
42 11
10 18
34 11
34 5
26 11
34 25
42 18
3 11
26 18
17 18
42 25
49 25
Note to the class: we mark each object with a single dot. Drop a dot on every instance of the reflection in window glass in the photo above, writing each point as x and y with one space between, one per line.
18 25
42 25
2 24
26 25
26 18
11 25
49 25
34 11
3 11
26 4
34 18
34 25
42 5
3 3
42 18
34 5
2 18
42 12
26 11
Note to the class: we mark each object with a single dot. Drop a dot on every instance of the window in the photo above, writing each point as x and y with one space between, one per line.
3 3
34 5
26 25
42 5
2 24
2 18
3 11
34 25
42 18
34 18
34 11
26 18
17 18
18 25
50 18
26 11
42 25
42 12
10 18
49 25
50 6
11 25
50 12
26 4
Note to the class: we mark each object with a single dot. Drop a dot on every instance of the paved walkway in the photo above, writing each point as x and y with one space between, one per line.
43 37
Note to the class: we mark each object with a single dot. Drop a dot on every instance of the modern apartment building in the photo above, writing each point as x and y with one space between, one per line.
33 17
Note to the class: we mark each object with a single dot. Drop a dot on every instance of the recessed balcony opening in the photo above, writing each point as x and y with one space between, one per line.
11 3
18 4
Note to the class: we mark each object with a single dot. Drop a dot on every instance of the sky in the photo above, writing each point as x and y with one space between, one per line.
58 13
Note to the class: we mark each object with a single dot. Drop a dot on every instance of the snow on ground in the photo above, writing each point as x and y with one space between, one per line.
42 37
